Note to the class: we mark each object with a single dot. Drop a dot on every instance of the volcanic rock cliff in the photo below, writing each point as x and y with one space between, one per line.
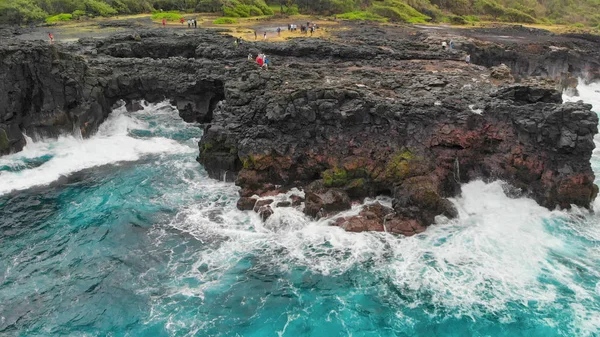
371 112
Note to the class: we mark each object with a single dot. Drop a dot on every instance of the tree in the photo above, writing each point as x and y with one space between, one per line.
490 7
20 11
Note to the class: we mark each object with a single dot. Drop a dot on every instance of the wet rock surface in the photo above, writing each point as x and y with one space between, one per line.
375 111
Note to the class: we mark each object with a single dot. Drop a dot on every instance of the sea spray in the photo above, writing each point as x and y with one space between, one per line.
70 154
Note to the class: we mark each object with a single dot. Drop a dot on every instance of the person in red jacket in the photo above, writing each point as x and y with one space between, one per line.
164 22
182 20
51 37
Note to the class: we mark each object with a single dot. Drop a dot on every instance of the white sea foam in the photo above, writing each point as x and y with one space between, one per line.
111 144
491 255
498 251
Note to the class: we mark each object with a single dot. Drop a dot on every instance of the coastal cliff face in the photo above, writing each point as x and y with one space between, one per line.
367 114
43 93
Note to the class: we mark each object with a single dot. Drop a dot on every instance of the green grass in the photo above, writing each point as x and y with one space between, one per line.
395 10
169 16
362 16
225 21
59 18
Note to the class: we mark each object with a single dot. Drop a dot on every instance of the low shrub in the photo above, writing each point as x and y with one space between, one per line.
457 20
169 16
490 7
398 11
59 17
99 8
292 10
246 8
78 14
229 12
513 15
225 21
471 18
362 16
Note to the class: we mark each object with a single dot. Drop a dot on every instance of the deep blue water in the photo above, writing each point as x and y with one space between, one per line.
123 234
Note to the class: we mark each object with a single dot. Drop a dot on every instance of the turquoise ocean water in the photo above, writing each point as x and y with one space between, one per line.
123 234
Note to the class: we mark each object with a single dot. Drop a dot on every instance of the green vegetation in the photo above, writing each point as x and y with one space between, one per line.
246 8
283 9
362 15
497 11
225 21
20 11
59 17
399 166
169 16
98 8
77 14
395 10
335 177
572 12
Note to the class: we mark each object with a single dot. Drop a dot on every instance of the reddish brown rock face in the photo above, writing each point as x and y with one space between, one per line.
540 147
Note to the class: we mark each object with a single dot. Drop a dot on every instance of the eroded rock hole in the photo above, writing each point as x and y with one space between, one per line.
197 103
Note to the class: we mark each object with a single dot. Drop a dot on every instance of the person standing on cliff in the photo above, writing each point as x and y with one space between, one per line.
182 20
468 58
265 36
278 31
189 23
164 23
254 35
51 37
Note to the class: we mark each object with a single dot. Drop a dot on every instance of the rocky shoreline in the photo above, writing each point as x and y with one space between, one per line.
375 111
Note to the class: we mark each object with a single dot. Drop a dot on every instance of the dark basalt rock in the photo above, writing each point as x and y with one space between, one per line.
411 122
322 201
246 203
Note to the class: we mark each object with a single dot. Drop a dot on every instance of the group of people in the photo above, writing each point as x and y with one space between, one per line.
191 22
449 45
261 59
310 27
